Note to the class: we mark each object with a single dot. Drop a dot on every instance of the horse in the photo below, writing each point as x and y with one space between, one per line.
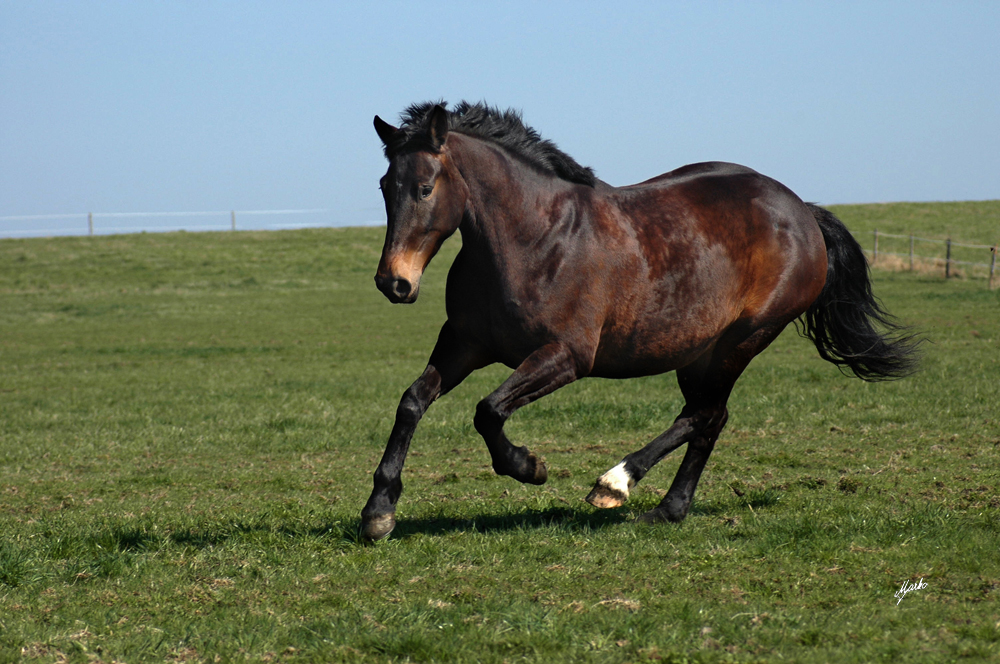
562 276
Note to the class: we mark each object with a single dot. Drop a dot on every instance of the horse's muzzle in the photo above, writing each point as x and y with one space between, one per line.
396 290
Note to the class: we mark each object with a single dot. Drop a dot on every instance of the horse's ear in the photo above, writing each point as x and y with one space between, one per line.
438 126
384 130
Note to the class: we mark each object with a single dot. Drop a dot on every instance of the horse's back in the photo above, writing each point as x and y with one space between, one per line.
704 169
720 204
719 243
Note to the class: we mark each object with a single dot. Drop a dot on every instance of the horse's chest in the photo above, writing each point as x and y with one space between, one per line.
517 306
508 325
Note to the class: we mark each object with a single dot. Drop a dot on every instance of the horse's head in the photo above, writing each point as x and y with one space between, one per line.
425 199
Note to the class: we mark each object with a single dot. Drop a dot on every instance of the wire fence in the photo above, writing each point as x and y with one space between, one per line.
887 250
959 259
110 223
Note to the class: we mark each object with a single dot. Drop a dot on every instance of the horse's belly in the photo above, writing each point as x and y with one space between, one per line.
634 369
646 354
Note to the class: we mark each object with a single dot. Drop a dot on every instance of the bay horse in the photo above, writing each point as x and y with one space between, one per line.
562 276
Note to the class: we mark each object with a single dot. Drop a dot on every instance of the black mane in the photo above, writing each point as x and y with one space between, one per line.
505 128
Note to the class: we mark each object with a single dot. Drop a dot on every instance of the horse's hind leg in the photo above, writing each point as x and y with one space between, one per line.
677 502
612 488
706 386
541 373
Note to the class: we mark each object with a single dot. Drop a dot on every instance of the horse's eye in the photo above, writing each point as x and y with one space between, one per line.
426 190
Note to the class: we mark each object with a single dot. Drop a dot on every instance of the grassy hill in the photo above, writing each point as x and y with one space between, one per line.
189 423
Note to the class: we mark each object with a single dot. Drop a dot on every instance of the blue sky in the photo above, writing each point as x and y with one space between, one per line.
176 106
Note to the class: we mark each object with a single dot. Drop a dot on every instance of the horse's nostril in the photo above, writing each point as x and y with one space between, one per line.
401 288
397 290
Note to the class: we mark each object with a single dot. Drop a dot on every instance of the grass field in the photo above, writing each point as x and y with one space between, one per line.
189 423
964 222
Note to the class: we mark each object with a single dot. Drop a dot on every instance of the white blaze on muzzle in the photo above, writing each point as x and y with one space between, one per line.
407 265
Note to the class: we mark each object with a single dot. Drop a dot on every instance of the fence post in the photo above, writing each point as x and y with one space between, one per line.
993 264
947 259
875 253
90 223
232 215
911 252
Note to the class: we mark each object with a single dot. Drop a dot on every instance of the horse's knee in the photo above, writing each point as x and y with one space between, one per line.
410 408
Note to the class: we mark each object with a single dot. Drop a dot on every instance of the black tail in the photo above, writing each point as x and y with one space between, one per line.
842 321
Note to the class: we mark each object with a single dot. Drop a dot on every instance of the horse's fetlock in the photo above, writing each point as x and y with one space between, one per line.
487 420
391 487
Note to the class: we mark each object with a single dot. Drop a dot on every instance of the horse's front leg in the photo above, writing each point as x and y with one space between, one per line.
541 373
451 362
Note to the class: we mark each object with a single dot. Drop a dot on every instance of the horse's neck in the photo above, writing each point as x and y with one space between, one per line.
510 204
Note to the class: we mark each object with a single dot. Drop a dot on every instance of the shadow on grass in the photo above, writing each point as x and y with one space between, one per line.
201 537
346 532
533 519
566 518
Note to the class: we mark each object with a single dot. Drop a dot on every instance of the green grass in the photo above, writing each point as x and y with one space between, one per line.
189 423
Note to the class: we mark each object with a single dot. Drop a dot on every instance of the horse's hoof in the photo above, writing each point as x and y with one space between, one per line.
655 516
611 489
541 474
651 517
531 470
377 527
605 498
